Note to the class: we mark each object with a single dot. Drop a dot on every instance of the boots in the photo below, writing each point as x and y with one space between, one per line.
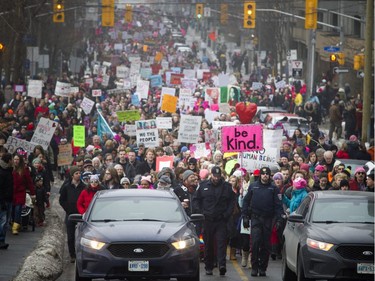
249 262
245 257
232 254
15 228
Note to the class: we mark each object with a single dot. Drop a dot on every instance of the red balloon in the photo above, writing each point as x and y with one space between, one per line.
246 111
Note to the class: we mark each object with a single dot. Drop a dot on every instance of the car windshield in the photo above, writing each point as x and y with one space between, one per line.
353 210
136 209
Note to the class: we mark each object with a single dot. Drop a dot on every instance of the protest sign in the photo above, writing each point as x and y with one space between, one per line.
169 103
79 135
164 122
130 130
44 132
212 95
156 81
216 125
135 99
142 88
189 129
242 138
122 72
280 84
164 161
62 89
256 86
199 150
258 159
87 105
97 93
128 115
34 88
147 133
65 155
13 143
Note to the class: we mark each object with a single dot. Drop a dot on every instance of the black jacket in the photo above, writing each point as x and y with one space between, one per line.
6 182
69 194
262 200
216 203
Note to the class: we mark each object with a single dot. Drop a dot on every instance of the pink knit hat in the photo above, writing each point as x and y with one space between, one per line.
299 183
203 174
305 167
360 170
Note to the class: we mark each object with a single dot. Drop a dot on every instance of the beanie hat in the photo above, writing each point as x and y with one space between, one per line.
184 149
86 175
73 170
124 180
94 178
256 173
203 174
36 160
360 170
320 168
192 160
353 138
38 178
187 174
304 167
278 176
299 183
344 183
165 179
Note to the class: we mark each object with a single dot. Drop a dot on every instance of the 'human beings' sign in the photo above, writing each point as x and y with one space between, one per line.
242 138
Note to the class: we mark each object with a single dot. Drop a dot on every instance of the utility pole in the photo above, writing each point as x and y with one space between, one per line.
367 81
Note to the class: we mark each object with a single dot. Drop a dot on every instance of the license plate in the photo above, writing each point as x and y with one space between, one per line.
138 266
365 268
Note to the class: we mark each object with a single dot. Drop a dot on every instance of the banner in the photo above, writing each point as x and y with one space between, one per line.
13 143
242 138
44 132
79 135
103 127
189 129
65 155
147 133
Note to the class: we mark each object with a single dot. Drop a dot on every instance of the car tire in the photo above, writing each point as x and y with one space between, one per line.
286 273
300 270
196 277
79 278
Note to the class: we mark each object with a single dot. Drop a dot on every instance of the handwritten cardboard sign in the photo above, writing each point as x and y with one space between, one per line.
44 132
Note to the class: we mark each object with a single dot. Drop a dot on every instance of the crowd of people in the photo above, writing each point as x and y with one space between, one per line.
233 200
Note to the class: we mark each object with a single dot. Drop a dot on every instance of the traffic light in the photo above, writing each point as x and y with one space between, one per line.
311 14
359 61
108 13
249 14
199 10
58 11
333 57
341 58
128 13
223 13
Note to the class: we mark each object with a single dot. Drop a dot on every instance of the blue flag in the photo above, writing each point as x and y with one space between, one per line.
103 127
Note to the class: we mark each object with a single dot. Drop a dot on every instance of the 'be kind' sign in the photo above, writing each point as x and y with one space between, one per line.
242 138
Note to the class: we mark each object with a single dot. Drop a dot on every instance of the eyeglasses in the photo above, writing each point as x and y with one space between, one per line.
108 159
94 182
265 173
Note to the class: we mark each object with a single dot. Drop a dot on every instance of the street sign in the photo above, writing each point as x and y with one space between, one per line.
291 55
338 70
331 49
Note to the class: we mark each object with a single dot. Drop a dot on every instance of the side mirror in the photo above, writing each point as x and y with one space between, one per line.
296 218
75 218
196 217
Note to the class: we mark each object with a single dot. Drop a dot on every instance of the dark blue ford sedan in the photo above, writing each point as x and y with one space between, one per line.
136 234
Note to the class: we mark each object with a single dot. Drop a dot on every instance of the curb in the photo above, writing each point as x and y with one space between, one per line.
45 262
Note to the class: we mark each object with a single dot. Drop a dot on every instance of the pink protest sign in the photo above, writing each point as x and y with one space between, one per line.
242 138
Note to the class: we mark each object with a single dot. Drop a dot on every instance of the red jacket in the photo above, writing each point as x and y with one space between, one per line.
85 198
20 185
342 154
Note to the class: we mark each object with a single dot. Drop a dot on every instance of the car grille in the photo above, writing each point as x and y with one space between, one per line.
356 253
138 250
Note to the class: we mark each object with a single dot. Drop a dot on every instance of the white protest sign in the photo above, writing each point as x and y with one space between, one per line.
34 88
189 129
142 88
44 132
258 159
280 84
199 150
164 122
62 89
218 124
147 133
223 80
189 73
200 73
89 82
130 130
97 93
256 85
13 143
210 115
87 105
186 100
122 71
74 90
105 80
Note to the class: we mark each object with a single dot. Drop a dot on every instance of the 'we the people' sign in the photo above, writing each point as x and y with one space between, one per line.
242 138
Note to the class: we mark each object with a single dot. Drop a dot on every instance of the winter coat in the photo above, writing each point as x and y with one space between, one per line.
6 182
69 194
21 184
85 198
297 196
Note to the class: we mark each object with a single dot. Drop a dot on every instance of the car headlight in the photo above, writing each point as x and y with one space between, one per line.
96 245
324 246
184 244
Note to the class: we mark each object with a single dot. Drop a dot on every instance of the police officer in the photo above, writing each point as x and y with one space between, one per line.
262 205
215 199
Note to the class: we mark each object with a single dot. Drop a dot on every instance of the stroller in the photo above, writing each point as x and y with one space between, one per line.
27 214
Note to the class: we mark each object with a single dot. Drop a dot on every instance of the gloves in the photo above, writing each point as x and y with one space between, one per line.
246 222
